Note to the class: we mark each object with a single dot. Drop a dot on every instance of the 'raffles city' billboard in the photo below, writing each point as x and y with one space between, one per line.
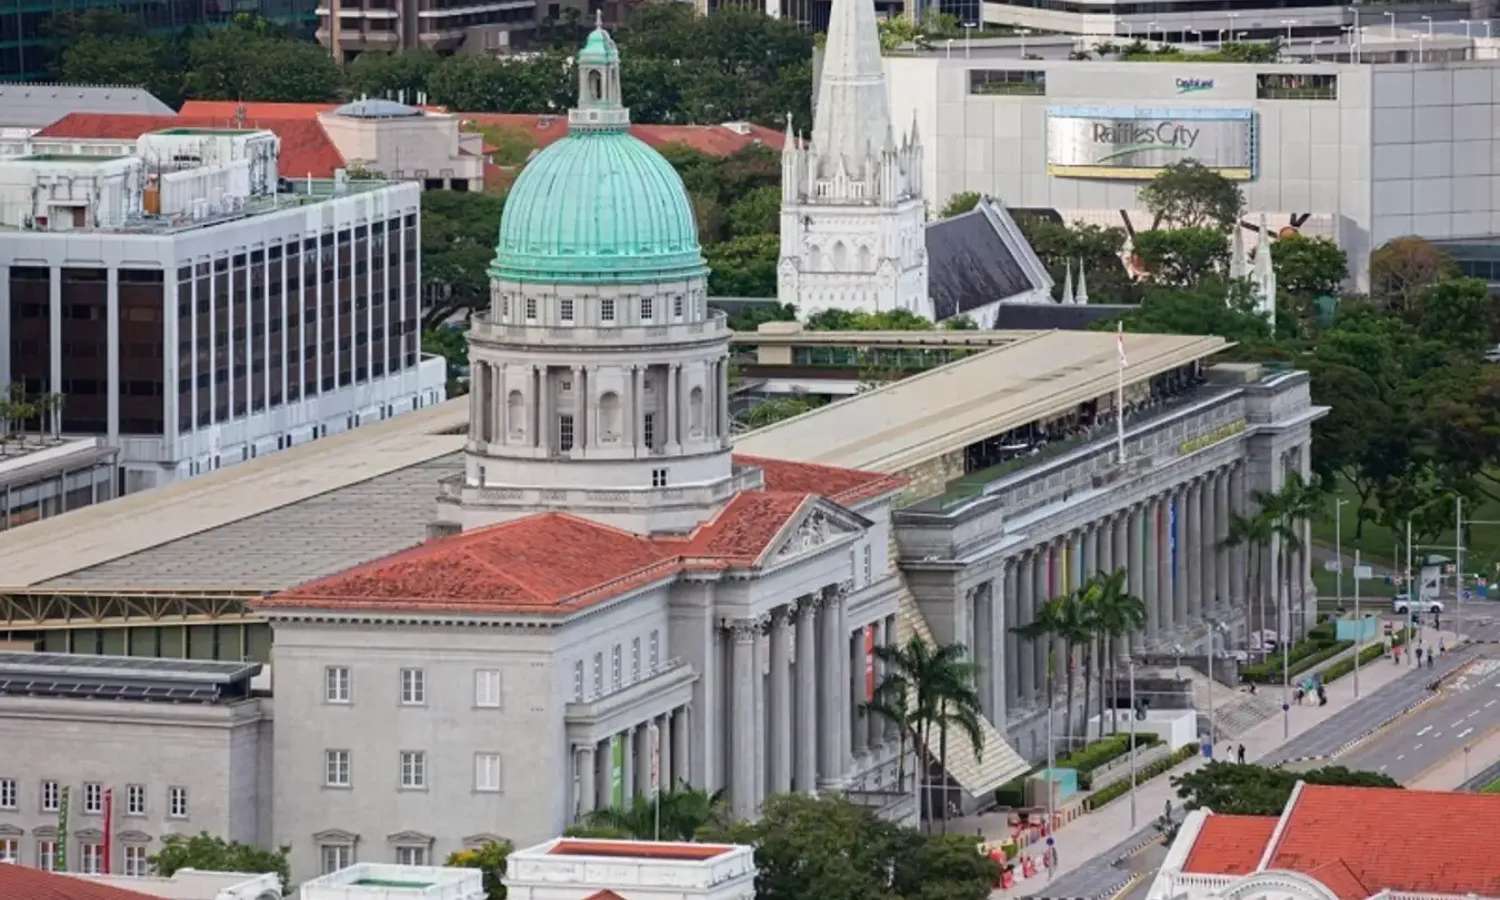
1115 142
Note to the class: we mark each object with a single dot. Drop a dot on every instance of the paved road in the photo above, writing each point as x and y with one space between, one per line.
1466 710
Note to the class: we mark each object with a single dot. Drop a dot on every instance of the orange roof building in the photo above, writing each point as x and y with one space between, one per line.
577 869
1341 843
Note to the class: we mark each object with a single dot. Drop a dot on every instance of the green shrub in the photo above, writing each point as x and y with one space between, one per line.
1368 655
1122 787
1086 759
1013 792
1304 655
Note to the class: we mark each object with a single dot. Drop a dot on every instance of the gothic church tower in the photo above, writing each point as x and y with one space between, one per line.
852 214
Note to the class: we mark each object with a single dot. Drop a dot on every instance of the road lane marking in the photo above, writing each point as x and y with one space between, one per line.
1400 757
1464 732
1472 714
1456 724
1491 703
1418 747
1424 731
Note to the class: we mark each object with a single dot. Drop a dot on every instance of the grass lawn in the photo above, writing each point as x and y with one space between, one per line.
1492 788
1376 588
1380 545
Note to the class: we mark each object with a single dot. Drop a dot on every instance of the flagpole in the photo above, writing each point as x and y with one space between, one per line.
1120 393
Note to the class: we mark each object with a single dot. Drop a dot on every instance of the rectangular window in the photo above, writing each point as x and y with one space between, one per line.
565 309
93 798
46 856
487 688
598 674
1296 86
531 309
646 309
635 659
336 684
177 802
92 858
413 687
578 681
869 573
135 861
336 768
648 429
487 772
10 849
616 673
676 306
1027 82
335 857
413 769
50 796
607 309
8 793
135 799
565 432
658 477
411 856
655 650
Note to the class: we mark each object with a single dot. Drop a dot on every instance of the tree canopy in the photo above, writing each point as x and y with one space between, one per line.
1250 790
214 854
490 859
1188 194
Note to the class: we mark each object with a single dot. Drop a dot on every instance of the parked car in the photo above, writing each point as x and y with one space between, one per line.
1401 604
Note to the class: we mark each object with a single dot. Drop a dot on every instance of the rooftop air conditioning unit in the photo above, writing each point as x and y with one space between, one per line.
200 209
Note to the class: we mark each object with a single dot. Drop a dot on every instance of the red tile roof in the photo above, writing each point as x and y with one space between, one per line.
1393 839
714 140
555 563
603 895
305 146
1339 878
25 883
639 849
1230 845
842 486
228 109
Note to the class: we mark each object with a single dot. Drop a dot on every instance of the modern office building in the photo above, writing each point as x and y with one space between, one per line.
1360 153
41 477
350 27
196 311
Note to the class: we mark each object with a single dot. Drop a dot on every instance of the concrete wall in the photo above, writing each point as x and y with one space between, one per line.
208 749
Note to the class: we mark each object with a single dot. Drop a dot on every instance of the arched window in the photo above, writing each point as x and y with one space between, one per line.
840 256
609 417
864 259
516 409
596 85
695 410
814 258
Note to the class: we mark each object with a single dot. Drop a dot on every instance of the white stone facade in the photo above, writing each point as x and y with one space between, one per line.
852 209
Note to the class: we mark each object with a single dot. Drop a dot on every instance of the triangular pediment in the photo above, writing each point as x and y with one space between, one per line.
134 837
409 837
479 840
818 524
11 831
335 836
89 834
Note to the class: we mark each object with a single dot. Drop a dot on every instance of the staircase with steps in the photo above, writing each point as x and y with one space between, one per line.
1235 711
997 762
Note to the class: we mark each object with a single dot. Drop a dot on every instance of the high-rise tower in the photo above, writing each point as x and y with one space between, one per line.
852 212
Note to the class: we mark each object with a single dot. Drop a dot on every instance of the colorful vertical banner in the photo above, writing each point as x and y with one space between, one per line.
1172 538
62 829
617 772
653 737
109 816
869 663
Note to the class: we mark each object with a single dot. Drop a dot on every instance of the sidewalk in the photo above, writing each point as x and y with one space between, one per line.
1093 833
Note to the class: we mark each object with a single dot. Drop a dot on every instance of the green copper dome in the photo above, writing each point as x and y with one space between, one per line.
598 205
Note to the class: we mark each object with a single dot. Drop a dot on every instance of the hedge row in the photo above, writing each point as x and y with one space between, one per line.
1305 655
1368 655
1122 787
1086 759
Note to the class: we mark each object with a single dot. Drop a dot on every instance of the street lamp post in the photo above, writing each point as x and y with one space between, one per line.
1458 567
1131 665
1023 32
1150 27
1428 20
1338 548
1233 24
1468 29
1486 29
1289 23
949 47
1359 637
968 32
1392 17
1418 36
1355 27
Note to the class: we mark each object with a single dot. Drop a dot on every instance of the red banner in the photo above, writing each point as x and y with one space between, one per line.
109 815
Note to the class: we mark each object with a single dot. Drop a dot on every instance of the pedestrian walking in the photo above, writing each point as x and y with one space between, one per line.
1419 657
1240 754
1322 696
1442 646
1431 661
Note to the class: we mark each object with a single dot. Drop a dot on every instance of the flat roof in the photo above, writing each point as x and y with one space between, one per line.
624 849
947 408
934 338
110 544
197 131
68 158
78 676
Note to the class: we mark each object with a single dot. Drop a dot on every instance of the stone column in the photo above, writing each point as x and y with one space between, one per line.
682 761
781 705
1159 563
830 651
723 386
845 698
638 410
982 648
1012 597
643 759
664 736
1178 561
1223 557
1239 556
744 726
669 402
603 777
892 731
858 735
807 692
1192 539
1039 574
547 413
586 780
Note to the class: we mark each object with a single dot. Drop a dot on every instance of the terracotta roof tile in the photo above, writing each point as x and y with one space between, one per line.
714 140
604 895
25 883
1230 845
1394 839
843 486
1339 878
228 109
559 563
305 146
638 849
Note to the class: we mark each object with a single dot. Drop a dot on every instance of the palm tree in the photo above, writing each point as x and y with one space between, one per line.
939 686
1061 618
1117 612
1255 531
684 810
1296 502
893 702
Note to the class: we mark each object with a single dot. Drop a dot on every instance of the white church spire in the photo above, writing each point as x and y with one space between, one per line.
1067 294
853 113
1082 296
